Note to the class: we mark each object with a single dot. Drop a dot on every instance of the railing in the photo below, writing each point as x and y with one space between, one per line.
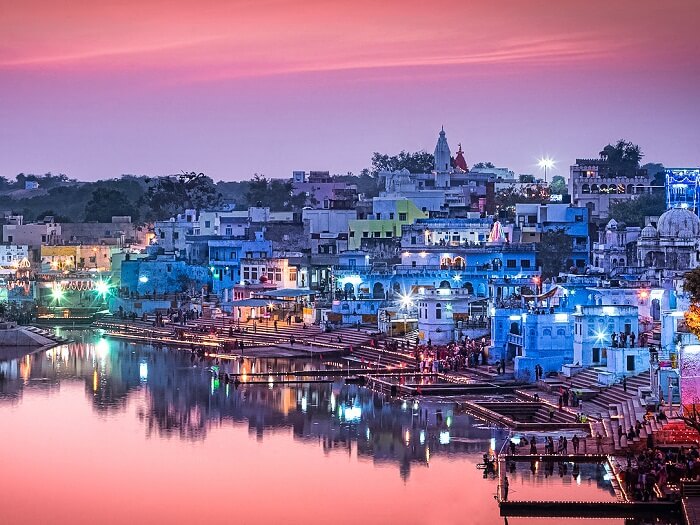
515 339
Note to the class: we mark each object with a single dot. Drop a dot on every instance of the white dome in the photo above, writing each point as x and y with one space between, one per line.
649 232
679 222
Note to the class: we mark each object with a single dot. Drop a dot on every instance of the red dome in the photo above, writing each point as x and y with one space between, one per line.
460 162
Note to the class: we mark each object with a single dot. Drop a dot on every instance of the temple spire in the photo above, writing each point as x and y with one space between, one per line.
442 153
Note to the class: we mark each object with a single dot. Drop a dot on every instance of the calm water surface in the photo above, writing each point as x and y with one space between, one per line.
100 431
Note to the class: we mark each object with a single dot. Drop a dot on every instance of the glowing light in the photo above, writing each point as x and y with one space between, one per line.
514 317
444 437
561 318
406 300
546 163
599 336
421 437
143 372
57 292
457 278
423 254
304 404
102 288
143 279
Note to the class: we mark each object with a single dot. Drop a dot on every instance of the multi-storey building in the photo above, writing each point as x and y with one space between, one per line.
595 185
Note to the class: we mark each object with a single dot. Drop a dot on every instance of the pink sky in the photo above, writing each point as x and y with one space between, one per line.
97 89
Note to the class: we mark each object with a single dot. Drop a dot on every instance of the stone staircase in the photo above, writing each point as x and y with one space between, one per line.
614 407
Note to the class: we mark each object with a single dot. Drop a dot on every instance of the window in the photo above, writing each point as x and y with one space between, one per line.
207 224
391 216
9 238
293 274
365 234
168 268
43 238
387 234
438 311
162 234
377 234
229 230
176 235
352 233
379 216
413 239
524 263
246 273
510 263
578 218
404 216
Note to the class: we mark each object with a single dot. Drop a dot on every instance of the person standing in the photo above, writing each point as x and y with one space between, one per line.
504 488
574 443
624 383
599 443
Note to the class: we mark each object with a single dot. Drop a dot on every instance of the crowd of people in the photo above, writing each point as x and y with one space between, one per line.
468 353
659 467
560 447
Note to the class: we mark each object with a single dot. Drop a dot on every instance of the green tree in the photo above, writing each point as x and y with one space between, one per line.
168 196
481 165
276 194
106 203
558 186
418 162
526 178
623 157
657 172
554 252
56 217
632 212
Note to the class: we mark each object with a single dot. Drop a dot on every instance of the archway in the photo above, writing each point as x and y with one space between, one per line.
445 284
348 290
378 291
469 287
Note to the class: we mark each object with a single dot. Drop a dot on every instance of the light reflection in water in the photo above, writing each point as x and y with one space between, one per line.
141 398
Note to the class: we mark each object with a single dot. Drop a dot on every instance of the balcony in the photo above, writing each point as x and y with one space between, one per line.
515 339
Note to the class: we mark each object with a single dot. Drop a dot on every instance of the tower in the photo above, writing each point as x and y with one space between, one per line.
442 154
460 161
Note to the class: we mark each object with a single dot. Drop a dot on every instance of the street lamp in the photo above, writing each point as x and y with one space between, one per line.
546 163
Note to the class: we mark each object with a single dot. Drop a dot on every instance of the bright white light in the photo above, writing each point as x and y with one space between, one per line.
444 437
102 288
546 163
421 437
561 318
143 279
457 277
406 300
143 371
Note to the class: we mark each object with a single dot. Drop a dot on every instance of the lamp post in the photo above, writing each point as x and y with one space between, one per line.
546 163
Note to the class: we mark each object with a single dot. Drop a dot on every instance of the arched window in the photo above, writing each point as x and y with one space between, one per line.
595 189
547 332
561 332
438 311
603 188
630 188
585 188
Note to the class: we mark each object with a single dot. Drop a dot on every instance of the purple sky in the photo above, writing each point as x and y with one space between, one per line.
232 88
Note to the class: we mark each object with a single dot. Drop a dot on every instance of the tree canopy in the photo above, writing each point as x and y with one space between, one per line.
168 196
632 212
554 252
623 157
481 165
558 186
275 194
106 203
418 162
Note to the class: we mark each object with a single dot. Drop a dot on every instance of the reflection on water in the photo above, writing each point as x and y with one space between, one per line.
186 399
164 439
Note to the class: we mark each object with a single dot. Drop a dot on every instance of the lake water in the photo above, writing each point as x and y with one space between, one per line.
100 431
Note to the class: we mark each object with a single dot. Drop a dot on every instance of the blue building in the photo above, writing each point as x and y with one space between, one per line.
532 220
225 256
683 188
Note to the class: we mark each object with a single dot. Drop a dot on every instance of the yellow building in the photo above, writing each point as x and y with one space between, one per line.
386 221
76 257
